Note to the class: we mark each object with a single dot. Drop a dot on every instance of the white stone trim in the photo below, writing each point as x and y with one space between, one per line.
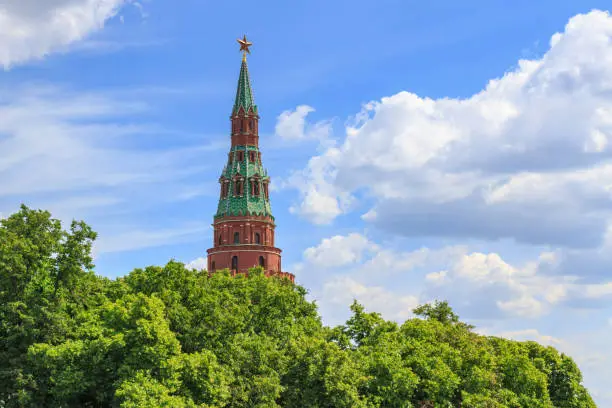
243 250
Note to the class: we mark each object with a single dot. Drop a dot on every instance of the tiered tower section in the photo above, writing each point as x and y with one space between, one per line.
244 224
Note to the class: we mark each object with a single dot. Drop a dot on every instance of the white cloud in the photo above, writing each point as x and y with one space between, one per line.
589 348
31 29
387 262
489 283
525 335
484 288
54 140
292 125
339 251
138 239
483 285
73 153
198 264
339 293
321 202
527 158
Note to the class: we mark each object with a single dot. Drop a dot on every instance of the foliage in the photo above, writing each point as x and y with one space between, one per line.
173 337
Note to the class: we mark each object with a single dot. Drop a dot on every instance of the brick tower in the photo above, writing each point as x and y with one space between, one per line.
244 225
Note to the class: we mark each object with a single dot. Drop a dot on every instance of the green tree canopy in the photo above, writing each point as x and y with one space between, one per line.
168 336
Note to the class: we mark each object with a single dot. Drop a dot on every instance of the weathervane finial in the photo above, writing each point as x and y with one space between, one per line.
244 47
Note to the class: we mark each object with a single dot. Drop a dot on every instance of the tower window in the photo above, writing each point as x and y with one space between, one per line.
213 266
220 240
236 237
252 156
252 125
262 262
234 263
257 238
239 187
240 156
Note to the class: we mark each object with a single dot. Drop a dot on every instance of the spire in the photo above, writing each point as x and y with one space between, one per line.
244 93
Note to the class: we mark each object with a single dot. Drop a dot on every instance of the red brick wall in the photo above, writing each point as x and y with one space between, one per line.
249 135
247 251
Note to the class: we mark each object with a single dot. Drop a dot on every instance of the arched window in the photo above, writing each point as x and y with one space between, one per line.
257 238
236 237
213 267
220 240
252 125
225 189
256 188
234 263
262 262
238 187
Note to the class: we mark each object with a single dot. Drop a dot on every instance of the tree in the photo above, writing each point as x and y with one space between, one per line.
167 336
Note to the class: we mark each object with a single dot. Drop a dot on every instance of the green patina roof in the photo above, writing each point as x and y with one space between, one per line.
244 93
247 204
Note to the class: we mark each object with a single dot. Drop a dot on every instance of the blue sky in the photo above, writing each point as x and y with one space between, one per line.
418 150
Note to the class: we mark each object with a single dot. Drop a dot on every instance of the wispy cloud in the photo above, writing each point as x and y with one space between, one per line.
83 154
31 29
139 239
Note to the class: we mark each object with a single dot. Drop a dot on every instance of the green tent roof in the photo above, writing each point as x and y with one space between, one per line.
244 93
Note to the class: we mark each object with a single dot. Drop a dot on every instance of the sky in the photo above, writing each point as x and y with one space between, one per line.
418 150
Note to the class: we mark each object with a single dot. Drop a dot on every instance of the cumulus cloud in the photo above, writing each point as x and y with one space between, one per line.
589 348
31 29
526 335
484 285
526 158
198 264
322 201
506 299
339 250
339 292
292 125
514 290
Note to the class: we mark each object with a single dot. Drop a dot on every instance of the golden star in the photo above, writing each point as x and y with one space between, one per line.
244 45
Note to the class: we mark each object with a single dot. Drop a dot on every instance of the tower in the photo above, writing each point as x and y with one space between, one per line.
244 225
